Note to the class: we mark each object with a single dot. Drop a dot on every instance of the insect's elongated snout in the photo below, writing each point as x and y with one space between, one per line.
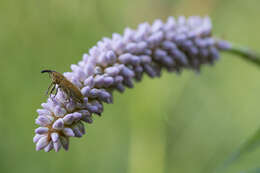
47 71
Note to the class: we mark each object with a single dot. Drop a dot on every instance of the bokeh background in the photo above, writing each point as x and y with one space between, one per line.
184 123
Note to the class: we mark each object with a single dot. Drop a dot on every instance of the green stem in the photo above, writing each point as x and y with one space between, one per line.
245 53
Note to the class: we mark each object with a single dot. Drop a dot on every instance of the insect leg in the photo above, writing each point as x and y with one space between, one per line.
56 91
53 88
49 89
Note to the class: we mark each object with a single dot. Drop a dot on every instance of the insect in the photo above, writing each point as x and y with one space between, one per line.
64 84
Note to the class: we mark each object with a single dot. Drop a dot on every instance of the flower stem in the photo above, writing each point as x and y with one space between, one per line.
245 53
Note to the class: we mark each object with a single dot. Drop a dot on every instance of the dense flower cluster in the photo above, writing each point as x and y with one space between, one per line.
114 64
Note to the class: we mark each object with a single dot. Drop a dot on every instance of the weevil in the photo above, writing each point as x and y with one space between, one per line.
64 84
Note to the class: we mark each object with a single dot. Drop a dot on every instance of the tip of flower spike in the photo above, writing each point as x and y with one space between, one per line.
42 142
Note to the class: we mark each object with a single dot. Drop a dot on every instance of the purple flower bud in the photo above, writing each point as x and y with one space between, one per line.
200 42
214 53
132 48
135 60
111 57
43 121
84 113
119 79
187 44
77 132
170 24
223 45
85 91
68 75
68 132
93 93
149 70
107 43
120 87
64 142
69 119
94 51
193 50
128 35
85 57
180 56
74 67
112 71
52 102
119 46
168 45
108 81
77 116
89 82
36 138
125 58
159 54
105 96
142 32
61 96
116 36
42 130
145 59
43 112
98 105
204 52
99 80
76 82
180 38
168 61
70 106
81 75
90 66
98 70
46 106
43 142
49 147
141 46
58 124
92 108
147 52
54 137
157 25
128 82
86 116
87 119
59 111
81 127
102 60
57 145
138 72
155 39
127 72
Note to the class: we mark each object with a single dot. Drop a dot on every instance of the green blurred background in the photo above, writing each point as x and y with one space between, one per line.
184 123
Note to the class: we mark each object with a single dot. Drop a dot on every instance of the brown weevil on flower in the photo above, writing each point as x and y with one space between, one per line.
65 85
